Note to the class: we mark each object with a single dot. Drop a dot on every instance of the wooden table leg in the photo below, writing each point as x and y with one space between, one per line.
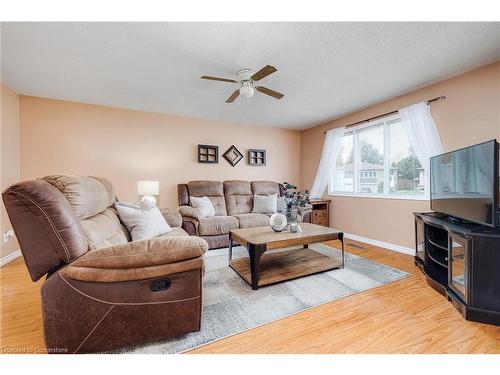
341 238
230 248
255 252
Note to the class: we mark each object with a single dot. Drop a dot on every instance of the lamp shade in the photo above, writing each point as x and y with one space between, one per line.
148 187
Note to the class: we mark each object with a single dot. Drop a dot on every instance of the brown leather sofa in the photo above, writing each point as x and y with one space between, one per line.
103 292
233 203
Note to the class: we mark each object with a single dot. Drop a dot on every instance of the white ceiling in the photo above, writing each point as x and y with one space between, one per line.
324 69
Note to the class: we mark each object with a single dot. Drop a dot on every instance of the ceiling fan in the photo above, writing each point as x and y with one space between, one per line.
247 78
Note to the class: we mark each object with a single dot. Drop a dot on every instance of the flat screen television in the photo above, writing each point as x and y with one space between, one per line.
464 183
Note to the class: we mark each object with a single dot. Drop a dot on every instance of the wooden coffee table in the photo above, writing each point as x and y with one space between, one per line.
261 269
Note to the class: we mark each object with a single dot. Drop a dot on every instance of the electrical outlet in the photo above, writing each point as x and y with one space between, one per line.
7 235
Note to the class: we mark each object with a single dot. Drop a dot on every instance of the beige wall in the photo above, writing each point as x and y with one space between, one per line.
9 156
470 114
126 146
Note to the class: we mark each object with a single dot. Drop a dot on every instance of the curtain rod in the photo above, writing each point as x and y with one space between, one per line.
386 114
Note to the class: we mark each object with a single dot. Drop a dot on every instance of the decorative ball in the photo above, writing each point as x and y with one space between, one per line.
278 222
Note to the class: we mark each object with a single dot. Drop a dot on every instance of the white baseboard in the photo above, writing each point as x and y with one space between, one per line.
9 258
386 245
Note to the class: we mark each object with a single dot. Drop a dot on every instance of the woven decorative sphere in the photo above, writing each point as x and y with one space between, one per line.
278 222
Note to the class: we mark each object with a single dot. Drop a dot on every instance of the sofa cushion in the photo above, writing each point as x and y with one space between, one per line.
210 226
173 218
219 205
104 229
239 198
214 190
252 220
239 204
87 196
208 188
144 253
175 232
91 199
237 187
265 187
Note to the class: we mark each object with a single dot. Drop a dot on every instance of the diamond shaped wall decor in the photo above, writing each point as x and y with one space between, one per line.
233 155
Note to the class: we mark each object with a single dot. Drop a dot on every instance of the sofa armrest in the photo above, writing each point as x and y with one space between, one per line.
190 225
173 218
139 260
188 211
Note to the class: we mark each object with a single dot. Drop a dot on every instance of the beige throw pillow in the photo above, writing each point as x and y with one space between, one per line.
265 204
142 223
203 205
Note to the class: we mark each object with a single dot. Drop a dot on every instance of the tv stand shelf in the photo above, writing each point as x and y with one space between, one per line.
461 260
445 248
442 262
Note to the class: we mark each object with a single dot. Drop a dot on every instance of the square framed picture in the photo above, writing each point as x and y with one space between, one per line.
208 154
257 157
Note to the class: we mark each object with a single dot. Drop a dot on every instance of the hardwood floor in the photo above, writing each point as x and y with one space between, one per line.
21 317
406 316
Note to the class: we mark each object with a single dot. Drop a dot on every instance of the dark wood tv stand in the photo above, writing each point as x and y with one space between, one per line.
461 260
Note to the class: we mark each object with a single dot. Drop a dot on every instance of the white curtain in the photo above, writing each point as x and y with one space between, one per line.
331 148
423 136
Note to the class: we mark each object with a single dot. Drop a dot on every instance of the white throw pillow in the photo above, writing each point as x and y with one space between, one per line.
142 223
203 205
265 204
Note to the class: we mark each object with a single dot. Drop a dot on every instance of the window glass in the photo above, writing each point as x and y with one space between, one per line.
371 160
406 175
343 176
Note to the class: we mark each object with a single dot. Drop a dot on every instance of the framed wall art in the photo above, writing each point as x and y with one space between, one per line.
233 155
256 157
208 154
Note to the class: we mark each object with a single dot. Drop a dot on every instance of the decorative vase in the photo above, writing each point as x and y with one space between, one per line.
291 215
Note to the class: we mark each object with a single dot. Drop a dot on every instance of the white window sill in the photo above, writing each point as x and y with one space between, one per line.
381 196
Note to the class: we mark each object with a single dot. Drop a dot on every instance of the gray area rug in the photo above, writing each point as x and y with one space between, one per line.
230 305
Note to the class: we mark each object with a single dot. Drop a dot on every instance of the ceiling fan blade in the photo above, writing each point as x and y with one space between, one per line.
269 92
264 72
218 79
233 96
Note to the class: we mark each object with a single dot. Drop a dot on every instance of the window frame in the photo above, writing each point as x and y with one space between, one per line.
386 123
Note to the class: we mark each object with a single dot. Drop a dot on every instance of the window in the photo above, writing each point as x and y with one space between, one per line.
343 176
407 175
370 159
377 160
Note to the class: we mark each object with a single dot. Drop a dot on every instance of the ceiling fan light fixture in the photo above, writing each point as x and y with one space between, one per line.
247 91
246 79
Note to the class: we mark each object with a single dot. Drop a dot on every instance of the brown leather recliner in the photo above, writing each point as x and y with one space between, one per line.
103 292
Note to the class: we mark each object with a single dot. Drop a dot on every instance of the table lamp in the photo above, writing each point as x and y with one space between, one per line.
148 189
